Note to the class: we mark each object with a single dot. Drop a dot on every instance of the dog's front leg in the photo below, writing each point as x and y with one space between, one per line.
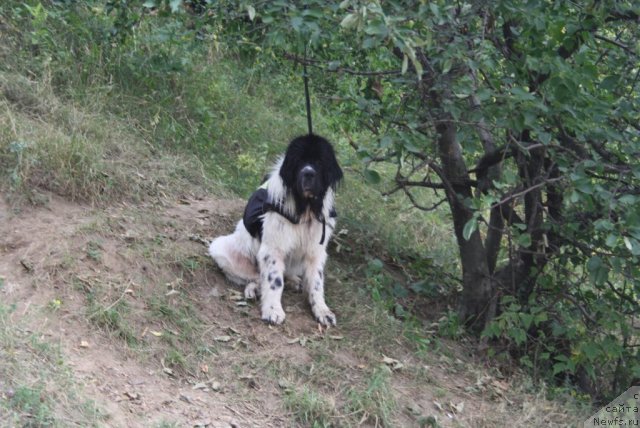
314 287
271 285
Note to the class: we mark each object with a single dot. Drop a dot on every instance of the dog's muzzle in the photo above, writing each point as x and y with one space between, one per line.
308 181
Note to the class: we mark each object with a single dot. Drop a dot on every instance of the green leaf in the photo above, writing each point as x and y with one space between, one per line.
518 334
469 228
524 240
522 95
251 11
349 21
598 271
446 65
526 319
372 176
175 5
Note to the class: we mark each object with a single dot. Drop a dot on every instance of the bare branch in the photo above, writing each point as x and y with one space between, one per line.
616 43
525 191
421 207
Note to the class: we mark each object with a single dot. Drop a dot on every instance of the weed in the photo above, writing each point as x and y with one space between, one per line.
310 407
450 326
111 319
173 358
375 403
30 401
178 313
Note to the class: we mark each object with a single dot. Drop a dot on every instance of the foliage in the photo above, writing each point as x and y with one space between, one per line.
523 117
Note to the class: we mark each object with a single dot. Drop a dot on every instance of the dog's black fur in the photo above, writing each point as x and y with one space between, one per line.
316 152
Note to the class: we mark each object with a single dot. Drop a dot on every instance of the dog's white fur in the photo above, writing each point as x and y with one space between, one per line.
287 250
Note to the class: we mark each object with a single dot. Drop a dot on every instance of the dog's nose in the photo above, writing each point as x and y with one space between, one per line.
308 174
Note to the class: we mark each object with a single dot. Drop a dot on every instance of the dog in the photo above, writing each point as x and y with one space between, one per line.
284 231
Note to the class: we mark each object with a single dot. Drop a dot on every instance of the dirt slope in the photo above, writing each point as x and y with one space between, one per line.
154 335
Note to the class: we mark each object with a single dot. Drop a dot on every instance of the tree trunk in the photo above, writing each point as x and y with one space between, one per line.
477 283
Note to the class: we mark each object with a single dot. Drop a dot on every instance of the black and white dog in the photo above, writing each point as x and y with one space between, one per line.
285 229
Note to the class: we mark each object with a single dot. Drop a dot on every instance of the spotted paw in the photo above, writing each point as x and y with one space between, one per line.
324 316
273 314
251 291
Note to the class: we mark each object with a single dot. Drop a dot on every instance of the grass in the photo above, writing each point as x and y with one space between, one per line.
309 407
375 402
36 388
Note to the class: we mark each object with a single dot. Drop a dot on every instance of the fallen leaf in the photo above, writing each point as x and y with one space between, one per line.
504 386
293 341
392 363
199 385
222 338
284 384
27 265
241 303
171 293
215 386
457 408
168 371
156 333
84 344
414 409
132 395
204 368
336 337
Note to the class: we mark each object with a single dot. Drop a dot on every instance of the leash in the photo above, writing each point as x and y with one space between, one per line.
305 77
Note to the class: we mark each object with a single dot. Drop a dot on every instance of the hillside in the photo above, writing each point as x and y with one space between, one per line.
117 166
115 317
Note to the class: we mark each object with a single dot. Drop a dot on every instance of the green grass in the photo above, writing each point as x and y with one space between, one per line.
112 318
37 389
310 407
374 402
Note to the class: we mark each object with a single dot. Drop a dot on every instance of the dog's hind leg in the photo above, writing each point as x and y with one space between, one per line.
238 266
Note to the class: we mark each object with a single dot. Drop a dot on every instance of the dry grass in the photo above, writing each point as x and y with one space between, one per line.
85 154
37 388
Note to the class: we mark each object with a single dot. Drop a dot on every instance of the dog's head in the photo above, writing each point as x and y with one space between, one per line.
309 169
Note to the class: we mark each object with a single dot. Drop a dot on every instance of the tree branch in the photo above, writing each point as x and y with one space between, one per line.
322 65
525 191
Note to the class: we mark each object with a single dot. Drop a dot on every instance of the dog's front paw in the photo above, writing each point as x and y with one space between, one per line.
324 315
273 314
251 291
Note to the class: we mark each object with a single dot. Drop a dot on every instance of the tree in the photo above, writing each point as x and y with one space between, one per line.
524 115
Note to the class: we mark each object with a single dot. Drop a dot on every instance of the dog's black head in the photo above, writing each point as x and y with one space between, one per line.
309 169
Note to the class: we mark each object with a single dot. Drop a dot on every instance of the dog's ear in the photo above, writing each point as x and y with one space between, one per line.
333 172
288 169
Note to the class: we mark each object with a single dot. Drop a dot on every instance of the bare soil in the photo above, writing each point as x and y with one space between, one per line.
189 351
